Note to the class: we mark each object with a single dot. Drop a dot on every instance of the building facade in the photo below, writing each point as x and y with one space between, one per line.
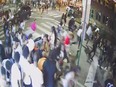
104 12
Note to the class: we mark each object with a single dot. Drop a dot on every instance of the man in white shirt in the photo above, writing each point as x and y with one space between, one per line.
16 72
88 34
25 66
30 43
79 32
30 70
36 76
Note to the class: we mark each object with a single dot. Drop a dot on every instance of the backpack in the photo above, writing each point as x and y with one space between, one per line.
41 63
109 85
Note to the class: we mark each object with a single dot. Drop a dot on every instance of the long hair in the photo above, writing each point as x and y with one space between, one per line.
55 35
53 54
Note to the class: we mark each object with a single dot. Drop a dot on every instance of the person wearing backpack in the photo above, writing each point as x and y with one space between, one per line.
7 64
109 83
3 82
16 72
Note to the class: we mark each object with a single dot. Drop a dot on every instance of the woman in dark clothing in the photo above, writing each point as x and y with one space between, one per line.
65 16
49 70
55 35
8 51
71 24
95 44
5 26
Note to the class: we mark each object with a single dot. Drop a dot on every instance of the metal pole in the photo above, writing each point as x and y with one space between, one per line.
83 33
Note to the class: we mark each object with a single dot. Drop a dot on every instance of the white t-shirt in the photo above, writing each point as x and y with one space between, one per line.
68 8
69 76
97 30
15 75
64 34
30 44
3 83
79 32
89 31
52 39
25 67
36 76
14 1
14 29
22 25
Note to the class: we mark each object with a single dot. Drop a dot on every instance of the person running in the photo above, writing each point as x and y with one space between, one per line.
95 44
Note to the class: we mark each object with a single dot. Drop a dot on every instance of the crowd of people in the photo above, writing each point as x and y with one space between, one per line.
34 63
40 62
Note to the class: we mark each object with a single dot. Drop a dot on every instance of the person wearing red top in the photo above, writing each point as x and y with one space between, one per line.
67 40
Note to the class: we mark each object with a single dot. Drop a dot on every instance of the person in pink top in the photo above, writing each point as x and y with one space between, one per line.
33 25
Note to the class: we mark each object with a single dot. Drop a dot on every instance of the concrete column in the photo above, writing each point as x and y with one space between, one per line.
87 8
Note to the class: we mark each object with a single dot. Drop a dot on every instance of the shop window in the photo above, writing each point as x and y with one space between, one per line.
92 13
104 19
98 16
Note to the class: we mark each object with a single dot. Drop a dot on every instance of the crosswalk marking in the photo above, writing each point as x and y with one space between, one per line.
2 32
46 26
29 31
43 30
55 14
51 24
55 22
2 36
1 29
35 35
